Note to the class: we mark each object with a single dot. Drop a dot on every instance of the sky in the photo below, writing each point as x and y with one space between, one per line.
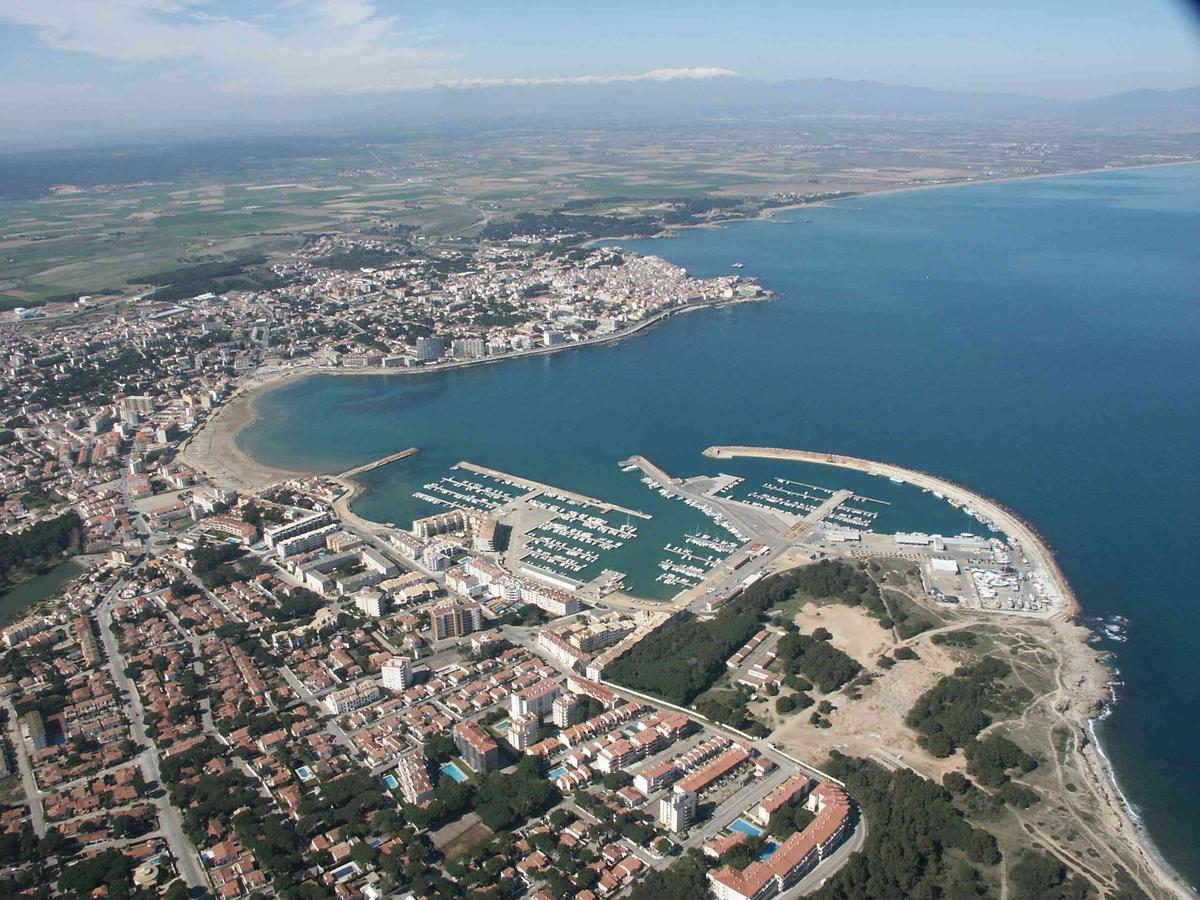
79 65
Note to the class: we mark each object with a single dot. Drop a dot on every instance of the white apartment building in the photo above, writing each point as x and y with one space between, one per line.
677 810
397 673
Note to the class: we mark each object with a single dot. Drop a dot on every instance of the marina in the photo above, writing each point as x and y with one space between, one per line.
478 492
568 497
926 297
574 539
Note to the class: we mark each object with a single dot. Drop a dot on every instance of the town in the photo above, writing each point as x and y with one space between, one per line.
243 693
317 707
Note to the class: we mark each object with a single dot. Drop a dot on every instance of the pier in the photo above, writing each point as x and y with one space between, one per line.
1062 598
818 514
651 469
378 463
535 487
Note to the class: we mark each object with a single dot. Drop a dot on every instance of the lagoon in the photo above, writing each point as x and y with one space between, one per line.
16 602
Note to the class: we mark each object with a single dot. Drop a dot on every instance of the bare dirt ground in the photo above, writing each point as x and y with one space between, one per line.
1079 819
872 726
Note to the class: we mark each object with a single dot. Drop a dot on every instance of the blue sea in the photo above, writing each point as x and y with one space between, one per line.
1038 341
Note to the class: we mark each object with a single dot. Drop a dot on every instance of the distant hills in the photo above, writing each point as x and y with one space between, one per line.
734 96
636 100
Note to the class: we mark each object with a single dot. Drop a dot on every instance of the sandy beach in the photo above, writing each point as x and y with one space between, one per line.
214 451
1085 689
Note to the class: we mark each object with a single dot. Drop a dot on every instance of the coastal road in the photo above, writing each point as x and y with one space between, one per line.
830 864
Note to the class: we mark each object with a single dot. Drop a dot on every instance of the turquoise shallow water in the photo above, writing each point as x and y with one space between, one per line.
1039 341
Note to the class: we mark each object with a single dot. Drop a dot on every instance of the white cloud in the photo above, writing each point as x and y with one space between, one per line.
328 46
653 75
298 47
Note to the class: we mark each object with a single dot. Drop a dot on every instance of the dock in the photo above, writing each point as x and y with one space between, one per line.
536 487
651 469
1062 599
818 514
378 463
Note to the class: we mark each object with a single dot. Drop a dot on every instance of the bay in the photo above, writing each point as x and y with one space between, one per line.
1038 341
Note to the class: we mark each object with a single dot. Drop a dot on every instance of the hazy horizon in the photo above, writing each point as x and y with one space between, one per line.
74 70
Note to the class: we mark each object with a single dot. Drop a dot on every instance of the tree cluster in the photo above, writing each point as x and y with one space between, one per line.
688 655
952 712
914 826
1035 876
37 545
822 663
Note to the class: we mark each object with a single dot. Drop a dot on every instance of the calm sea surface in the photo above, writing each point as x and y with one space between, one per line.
1038 341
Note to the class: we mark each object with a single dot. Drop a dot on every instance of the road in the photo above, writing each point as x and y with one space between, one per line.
755 525
28 782
737 803
740 800
185 855
331 726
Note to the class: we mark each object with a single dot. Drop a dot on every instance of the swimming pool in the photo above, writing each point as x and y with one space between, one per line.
451 770
304 773
555 773
768 848
744 827
390 781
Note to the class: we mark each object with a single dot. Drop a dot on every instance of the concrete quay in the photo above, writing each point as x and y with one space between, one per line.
651 469
378 463
1013 526
818 514
536 487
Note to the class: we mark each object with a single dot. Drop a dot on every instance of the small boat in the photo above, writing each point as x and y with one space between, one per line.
739 265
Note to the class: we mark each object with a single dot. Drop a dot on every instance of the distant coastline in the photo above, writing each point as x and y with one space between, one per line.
214 448
769 213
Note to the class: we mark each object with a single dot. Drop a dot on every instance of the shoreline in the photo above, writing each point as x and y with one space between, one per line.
1101 771
1102 699
1006 179
767 214
214 450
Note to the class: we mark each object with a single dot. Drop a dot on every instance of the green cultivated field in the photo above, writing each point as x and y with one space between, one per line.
260 198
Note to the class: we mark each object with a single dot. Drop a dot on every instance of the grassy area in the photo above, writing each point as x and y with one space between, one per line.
468 840
11 792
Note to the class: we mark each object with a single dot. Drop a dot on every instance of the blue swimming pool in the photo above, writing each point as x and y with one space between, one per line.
452 770
768 848
390 781
744 827
555 773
